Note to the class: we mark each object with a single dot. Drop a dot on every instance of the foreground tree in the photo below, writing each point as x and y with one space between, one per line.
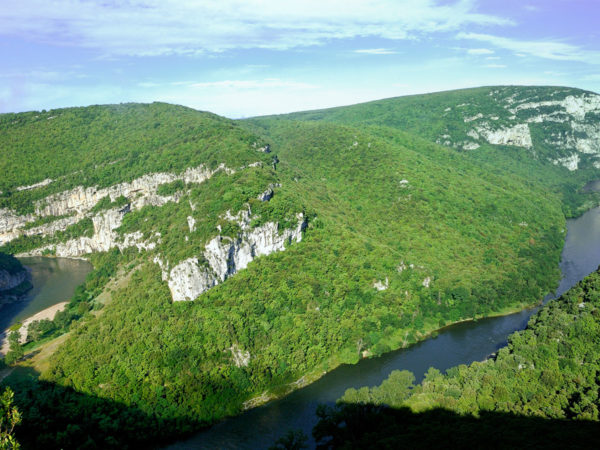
9 418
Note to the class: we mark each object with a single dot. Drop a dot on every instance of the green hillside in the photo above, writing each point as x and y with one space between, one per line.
548 371
376 236
562 123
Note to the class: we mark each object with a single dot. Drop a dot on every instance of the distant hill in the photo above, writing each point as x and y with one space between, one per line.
520 129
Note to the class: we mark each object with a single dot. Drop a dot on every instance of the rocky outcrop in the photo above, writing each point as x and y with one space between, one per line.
141 191
518 135
566 123
241 358
382 285
104 238
78 203
14 286
42 183
224 256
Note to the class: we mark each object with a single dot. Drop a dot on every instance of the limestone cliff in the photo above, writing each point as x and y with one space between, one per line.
78 203
563 121
225 256
221 258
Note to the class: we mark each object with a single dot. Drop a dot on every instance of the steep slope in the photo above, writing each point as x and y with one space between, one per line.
549 370
332 243
521 130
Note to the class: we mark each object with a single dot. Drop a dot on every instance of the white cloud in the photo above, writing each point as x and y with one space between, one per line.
480 51
269 83
376 51
542 49
158 27
495 66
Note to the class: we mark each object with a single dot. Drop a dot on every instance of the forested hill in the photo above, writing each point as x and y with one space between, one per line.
546 374
247 255
533 132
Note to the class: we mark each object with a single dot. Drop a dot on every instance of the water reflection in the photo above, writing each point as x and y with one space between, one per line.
54 280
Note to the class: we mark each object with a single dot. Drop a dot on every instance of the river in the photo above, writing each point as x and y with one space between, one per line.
458 344
54 280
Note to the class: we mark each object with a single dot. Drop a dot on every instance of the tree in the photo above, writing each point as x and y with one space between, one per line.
15 350
9 418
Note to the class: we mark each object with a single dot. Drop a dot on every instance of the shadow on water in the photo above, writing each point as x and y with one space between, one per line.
371 426
56 417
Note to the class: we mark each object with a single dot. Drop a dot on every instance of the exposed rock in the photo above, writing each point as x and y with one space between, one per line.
12 280
426 282
226 256
78 203
381 285
268 193
240 358
518 135
191 223
45 182
570 162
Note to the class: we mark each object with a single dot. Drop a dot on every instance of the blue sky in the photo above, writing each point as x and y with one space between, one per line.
241 58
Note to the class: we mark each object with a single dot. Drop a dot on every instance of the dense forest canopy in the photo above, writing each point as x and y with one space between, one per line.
548 371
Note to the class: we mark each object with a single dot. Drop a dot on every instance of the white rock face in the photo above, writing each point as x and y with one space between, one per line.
78 203
577 107
240 358
191 223
45 182
382 285
226 256
570 162
518 135
579 133
188 280
143 189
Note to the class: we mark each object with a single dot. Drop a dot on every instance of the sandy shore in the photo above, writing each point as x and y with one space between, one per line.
47 313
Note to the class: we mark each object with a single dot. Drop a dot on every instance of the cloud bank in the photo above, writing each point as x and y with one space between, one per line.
162 27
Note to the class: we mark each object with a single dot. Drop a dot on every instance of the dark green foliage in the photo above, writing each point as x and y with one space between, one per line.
171 188
10 417
10 263
379 427
56 417
550 370
293 440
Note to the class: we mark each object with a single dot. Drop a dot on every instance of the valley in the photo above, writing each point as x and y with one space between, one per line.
275 249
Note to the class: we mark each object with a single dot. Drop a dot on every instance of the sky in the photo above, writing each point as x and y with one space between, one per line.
242 58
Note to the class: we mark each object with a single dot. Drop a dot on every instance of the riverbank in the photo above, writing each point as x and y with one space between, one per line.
335 361
47 313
